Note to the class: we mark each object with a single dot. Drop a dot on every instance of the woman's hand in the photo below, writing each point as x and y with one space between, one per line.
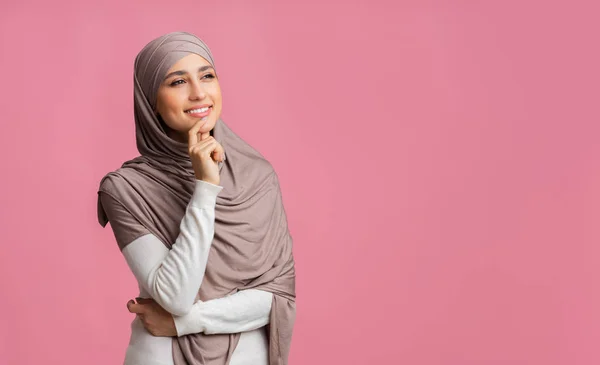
156 320
205 153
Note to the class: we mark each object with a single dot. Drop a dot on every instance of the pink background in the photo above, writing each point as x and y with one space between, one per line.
438 160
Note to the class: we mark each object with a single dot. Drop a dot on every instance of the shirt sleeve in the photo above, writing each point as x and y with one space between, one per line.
171 277
243 311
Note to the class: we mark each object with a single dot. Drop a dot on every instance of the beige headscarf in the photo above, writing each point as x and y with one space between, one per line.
252 247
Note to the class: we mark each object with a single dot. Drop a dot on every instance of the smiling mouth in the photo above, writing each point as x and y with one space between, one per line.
202 113
199 110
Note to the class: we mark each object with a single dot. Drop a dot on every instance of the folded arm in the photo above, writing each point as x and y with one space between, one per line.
243 311
171 277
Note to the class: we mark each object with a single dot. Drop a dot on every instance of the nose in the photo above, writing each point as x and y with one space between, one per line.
197 91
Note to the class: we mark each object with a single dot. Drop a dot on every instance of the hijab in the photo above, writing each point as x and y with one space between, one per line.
252 246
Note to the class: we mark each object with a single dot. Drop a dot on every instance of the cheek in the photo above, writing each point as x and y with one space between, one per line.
169 102
174 103
215 93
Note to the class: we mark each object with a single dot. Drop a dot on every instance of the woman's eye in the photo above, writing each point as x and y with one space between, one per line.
208 76
176 82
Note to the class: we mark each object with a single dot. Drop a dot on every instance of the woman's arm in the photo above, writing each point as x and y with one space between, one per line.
172 277
243 311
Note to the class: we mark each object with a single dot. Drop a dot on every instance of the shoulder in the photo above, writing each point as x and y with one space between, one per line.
113 190
109 183
117 183
109 193
112 207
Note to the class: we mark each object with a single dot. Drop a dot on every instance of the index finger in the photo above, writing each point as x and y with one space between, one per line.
135 308
193 133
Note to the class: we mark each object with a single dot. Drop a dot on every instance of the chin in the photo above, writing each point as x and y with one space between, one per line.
209 126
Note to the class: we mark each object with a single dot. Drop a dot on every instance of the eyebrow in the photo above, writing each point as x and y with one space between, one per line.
181 73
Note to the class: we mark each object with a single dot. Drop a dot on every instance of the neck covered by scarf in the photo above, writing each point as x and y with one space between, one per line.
252 246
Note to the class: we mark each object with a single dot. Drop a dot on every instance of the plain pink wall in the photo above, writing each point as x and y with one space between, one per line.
438 160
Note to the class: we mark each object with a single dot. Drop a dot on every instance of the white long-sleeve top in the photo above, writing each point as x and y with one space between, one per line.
172 278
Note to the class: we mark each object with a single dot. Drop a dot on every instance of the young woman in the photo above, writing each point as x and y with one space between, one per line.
200 221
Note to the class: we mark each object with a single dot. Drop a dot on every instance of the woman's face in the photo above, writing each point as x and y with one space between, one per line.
189 93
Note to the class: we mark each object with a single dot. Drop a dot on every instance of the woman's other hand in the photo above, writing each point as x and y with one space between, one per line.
156 320
205 153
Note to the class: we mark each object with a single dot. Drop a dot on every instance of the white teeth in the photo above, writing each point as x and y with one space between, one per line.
195 111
